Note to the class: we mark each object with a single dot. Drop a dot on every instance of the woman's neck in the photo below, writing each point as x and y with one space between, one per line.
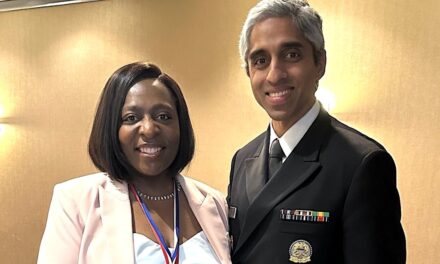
154 185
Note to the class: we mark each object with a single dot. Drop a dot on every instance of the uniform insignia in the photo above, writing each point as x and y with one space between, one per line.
232 212
300 251
304 215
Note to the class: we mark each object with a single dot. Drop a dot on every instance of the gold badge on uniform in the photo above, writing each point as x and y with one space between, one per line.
300 251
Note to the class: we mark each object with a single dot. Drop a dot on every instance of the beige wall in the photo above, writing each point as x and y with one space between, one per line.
383 58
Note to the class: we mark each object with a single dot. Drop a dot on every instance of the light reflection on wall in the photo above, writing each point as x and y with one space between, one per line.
5 130
327 98
4 142
2 113
8 135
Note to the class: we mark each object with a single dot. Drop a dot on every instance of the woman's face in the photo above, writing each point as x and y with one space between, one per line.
149 134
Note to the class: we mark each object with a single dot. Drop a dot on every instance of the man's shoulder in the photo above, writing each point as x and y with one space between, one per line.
347 136
252 146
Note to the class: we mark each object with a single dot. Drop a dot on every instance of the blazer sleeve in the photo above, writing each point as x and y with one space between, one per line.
62 235
372 232
222 206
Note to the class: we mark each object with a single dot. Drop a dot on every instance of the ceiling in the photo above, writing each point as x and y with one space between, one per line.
12 5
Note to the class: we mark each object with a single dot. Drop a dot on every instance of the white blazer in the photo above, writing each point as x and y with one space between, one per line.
89 221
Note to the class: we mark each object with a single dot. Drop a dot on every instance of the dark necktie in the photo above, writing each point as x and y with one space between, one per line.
276 156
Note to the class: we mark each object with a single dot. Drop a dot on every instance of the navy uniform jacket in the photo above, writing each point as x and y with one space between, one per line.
334 171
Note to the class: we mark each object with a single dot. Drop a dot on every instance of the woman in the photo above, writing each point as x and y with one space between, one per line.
139 209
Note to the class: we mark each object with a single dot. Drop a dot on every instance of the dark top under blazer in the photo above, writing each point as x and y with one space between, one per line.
334 169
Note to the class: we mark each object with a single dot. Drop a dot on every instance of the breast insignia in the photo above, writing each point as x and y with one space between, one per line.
300 251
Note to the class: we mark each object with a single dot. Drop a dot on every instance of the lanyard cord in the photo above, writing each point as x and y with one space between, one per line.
156 231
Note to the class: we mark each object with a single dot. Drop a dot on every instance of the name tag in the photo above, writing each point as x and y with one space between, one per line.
232 212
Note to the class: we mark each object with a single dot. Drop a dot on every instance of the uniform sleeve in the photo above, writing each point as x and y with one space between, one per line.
372 232
62 235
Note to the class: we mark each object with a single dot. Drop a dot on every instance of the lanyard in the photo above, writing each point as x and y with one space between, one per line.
157 234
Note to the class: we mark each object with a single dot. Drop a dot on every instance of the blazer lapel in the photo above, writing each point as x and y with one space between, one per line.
117 222
301 165
256 168
207 214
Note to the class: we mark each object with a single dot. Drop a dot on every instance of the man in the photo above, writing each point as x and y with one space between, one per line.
332 198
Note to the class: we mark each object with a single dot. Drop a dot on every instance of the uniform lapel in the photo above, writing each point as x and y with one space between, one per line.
117 222
286 181
301 165
207 214
256 168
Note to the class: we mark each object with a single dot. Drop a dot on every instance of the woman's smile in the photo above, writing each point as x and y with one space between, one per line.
149 134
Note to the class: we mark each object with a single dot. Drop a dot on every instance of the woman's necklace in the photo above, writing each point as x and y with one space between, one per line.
158 197
168 256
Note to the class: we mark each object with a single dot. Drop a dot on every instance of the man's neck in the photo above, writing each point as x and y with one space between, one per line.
281 126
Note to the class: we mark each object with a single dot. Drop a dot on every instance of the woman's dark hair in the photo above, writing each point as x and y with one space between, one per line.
104 147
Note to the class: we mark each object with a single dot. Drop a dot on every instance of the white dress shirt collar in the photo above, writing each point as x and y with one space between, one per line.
296 132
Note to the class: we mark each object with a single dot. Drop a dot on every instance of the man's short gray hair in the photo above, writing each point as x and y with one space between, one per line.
305 17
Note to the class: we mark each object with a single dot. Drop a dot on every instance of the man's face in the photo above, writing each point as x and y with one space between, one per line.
282 71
